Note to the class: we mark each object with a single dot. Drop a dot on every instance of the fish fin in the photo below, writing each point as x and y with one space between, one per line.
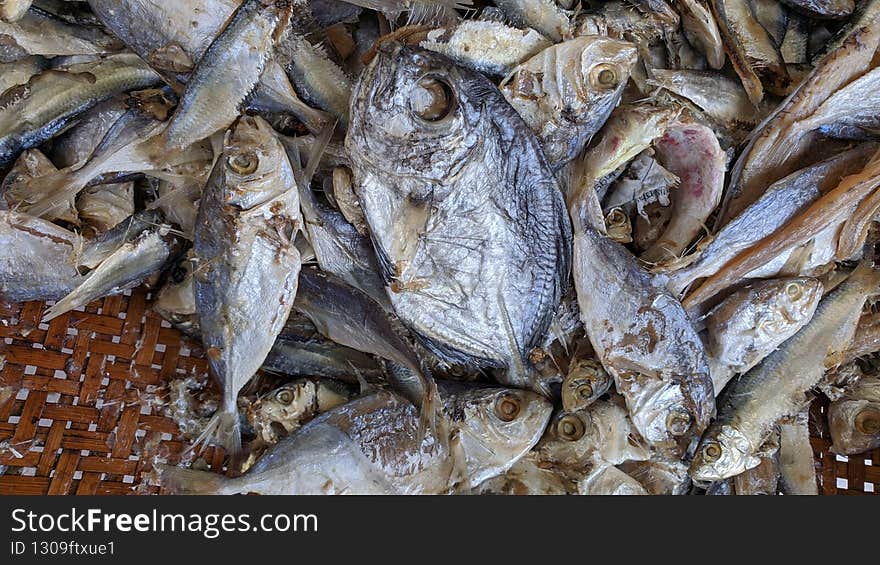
223 429
177 480
431 416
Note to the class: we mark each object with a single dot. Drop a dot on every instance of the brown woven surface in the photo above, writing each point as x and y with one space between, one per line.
80 419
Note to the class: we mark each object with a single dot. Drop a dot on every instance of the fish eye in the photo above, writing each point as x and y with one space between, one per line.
432 99
585 391
179 273
712 452
570 428
243 163
616 217
868 421
284 396
604 76
794 290
678 422
507 407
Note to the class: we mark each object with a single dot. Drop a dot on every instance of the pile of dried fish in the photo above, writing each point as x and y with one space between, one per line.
526 247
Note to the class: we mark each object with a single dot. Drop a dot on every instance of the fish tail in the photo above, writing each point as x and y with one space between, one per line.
176 480
224 429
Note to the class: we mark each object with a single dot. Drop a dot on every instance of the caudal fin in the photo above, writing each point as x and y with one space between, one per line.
223 429
176 480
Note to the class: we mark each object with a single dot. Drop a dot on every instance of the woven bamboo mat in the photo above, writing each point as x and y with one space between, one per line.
81 411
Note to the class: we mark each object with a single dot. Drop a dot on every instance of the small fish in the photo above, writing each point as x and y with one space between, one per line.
752 322
585 382
644 339
36 258
599 434
486 46
321 358
176 301
824 214
245 285
32 113
351 318
127 267
287 408
566 92
771 152
336 452
473 274
227 72
776 387
854 420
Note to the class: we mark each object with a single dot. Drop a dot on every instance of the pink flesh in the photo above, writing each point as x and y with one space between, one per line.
691 152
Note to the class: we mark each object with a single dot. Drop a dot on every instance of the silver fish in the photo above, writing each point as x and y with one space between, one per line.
566 92
34 112
127 267
464 240
227 72
245 286
752 322
545 16
775 388
337 453
645 340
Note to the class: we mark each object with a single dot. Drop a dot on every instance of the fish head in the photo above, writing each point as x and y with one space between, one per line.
254 166
797 298
413 114
598 68
723 454
662 413
586 381
288 404
601 432
496 426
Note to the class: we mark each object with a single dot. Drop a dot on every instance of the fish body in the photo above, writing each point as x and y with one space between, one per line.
752 322
247 265
36 111
225 75
644 339
776 387
369 446
467 220
37 258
